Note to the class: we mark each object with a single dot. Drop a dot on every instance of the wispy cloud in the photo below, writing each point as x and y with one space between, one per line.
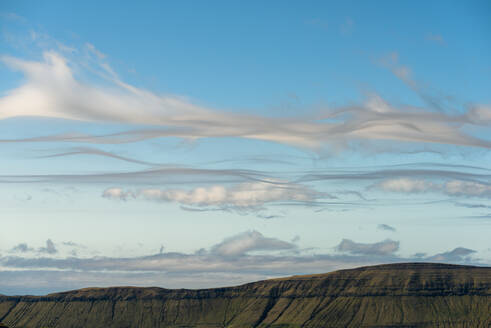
246 191
53 90
97 152
241 197
318 22
348 26
386 227
436 38
12 16
451 187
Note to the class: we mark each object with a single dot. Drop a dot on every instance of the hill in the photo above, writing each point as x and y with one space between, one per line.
392 295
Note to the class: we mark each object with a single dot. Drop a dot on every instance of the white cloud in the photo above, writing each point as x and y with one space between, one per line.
406 185
243 196
467 188
451 187
117 193
52 89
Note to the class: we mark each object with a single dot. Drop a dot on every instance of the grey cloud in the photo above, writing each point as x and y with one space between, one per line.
22 248
386 227
154 176
184 175
25 248
269 216
399 172
70 243
469 205
249 241
483 216
49 248
459 254
386 247
92 151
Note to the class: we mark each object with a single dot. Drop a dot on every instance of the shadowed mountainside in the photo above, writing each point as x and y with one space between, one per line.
392 295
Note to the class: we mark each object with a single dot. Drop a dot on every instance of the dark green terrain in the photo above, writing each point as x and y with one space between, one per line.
394 295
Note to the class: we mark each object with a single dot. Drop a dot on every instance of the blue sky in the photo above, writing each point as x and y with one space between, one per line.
194 145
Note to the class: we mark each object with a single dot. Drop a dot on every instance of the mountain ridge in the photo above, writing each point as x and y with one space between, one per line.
414 294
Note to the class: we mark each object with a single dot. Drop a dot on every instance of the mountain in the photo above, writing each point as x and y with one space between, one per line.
392 295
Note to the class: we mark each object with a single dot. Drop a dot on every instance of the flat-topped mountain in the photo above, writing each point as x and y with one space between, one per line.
392 295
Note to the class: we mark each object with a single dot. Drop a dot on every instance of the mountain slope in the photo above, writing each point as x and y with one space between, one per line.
393 295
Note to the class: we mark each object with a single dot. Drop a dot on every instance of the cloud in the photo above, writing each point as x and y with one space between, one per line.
117 193
49 248
480 114
249 241
244 196
406 185
22 248
25 248
452 187
53 90
171 270
317 22
436 38
12 17
469 205
93 151
242 258
459 254
160 175
386 227
467 188
348 26
95 51
436 100
386 247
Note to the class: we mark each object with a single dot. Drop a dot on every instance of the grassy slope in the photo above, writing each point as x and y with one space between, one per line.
401 295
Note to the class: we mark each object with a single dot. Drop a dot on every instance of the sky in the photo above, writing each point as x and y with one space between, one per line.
197 144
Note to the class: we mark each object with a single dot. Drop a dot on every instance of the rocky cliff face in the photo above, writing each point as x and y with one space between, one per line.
395 295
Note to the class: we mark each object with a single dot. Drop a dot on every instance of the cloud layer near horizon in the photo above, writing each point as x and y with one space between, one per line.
240 258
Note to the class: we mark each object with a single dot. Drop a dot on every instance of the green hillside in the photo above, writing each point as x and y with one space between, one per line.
394 295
